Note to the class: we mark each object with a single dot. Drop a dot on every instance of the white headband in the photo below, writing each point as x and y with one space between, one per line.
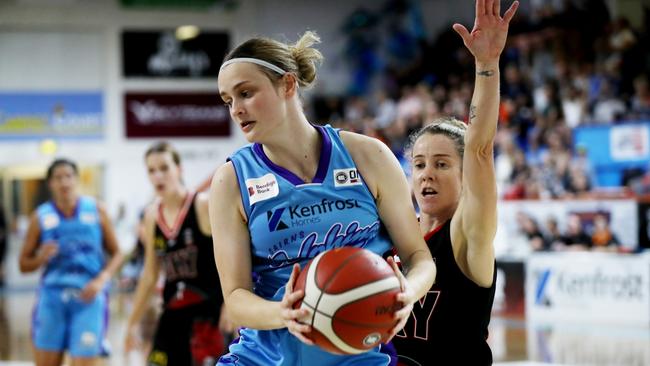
257 61
450 128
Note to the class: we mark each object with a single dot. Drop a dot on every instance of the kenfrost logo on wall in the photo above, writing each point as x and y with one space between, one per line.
541 297
262 188
346 177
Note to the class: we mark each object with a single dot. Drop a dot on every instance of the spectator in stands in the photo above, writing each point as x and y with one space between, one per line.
552 235
578 184
575 237
531 230
602 237
640 103
574 106
608 108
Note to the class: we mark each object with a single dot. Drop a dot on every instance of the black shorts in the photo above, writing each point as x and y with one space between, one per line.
188 336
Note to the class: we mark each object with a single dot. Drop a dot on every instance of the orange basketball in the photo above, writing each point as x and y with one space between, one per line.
351 295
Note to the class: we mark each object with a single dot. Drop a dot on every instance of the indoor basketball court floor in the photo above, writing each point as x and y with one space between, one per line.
514 342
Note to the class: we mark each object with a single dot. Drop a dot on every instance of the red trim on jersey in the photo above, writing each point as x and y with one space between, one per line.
432 232
171 233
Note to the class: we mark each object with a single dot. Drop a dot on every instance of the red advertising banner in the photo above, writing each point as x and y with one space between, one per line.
175 115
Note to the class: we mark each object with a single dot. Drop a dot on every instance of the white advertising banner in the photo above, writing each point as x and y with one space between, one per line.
588 287
510 241
629 142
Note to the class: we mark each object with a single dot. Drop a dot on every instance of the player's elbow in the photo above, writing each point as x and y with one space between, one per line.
24 267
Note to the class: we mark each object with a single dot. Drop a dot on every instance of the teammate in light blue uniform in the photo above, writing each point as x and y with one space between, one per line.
68 237
297 191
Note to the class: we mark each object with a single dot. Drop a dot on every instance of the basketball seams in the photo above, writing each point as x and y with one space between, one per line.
334 301
340 268
324 326
337 286
312 296
330 279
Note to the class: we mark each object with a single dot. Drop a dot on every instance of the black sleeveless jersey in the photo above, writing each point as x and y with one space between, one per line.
187 258
450 324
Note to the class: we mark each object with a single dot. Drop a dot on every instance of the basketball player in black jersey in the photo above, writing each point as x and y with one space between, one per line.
454 184
178 238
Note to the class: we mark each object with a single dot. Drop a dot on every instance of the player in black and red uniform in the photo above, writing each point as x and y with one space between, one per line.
178 238
454 184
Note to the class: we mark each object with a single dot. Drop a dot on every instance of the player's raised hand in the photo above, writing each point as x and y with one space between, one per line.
488 37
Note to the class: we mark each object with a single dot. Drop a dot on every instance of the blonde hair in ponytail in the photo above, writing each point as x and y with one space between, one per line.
300 59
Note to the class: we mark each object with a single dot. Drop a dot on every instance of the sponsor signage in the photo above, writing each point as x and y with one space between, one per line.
588 287
51 115
510 242
614 148
176 115
161 54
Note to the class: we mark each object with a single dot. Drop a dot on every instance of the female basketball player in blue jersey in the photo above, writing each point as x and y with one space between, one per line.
177 240
295 192
454 184
68 237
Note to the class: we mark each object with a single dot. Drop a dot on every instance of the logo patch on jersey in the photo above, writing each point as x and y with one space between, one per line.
346 177
88 218
188 236
88 339
160 244
275 220
50 221
262 188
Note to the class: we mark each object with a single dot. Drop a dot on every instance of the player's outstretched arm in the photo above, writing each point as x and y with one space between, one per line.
385 179
475 220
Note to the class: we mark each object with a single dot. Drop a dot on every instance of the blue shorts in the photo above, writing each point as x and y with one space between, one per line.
61 321
279 347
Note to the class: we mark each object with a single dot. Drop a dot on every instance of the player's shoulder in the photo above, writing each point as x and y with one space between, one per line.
364 148
224 179
150 212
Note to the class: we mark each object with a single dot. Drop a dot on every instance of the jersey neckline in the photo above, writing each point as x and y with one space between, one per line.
172 232
323 161
60 212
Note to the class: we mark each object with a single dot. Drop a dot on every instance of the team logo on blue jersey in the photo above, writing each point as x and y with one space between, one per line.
262 188
275 220
346 177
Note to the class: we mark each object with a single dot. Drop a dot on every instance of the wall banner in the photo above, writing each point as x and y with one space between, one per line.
38 115
176 115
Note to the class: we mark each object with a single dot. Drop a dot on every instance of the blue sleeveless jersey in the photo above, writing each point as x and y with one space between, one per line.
291 221
81 254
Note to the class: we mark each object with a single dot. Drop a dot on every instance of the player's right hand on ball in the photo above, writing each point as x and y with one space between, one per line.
406 297
290 316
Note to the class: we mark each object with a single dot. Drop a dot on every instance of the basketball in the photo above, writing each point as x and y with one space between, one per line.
351 296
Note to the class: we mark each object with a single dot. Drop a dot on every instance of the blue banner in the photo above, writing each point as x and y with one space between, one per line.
38 115
614 148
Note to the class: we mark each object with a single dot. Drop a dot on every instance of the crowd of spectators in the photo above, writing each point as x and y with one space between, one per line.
567 64
581 232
